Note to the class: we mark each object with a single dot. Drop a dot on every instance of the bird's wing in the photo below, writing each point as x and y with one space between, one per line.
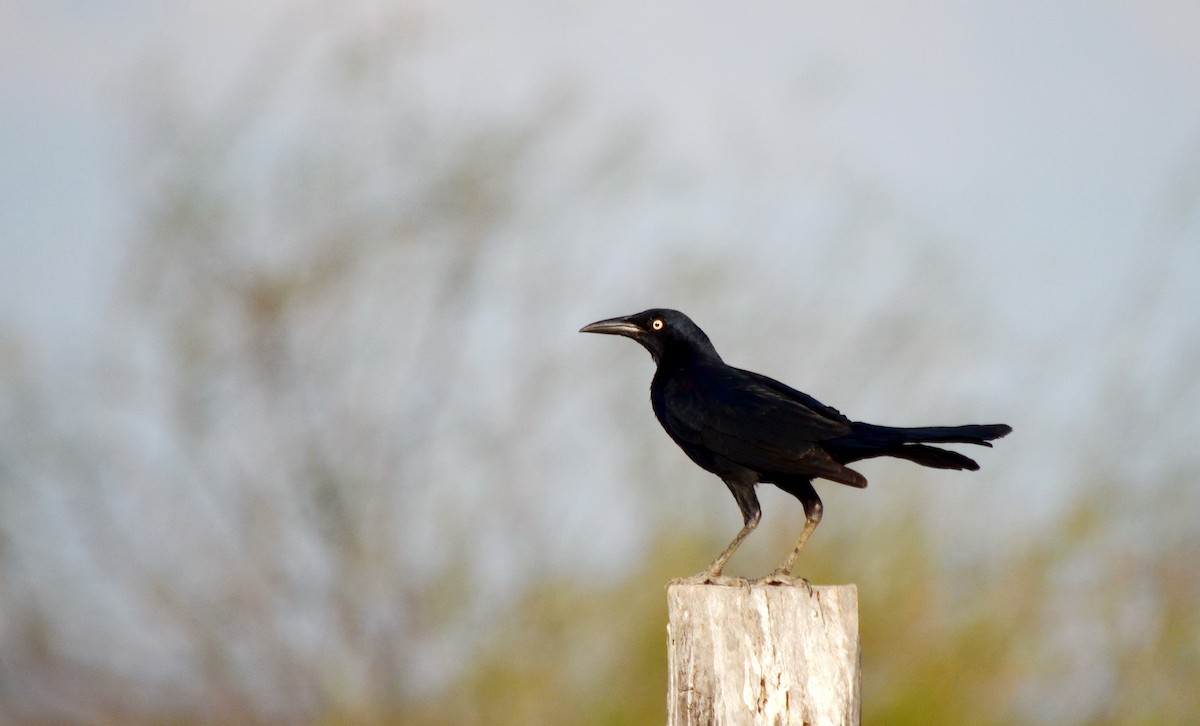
755 421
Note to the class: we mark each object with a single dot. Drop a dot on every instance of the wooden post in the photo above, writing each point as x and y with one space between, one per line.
763 654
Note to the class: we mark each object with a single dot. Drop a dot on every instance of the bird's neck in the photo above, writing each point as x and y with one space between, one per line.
678 358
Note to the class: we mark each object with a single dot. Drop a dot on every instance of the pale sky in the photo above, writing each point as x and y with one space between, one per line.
1050 129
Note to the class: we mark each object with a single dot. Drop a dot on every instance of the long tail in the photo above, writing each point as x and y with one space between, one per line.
866 441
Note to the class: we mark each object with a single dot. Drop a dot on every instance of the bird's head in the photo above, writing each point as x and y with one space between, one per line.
667 334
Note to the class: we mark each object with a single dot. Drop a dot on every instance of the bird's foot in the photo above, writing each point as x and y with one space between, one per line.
781 578
708 577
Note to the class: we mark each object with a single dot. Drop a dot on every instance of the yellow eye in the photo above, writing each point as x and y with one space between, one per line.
657 324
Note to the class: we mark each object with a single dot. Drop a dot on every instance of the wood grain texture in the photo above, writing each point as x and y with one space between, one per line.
763 654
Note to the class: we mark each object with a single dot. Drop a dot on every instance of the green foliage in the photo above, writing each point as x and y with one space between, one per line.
572 651
967 646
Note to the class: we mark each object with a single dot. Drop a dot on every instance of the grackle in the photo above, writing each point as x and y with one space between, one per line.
748 429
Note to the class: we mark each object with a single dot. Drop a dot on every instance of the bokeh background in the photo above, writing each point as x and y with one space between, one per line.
295 426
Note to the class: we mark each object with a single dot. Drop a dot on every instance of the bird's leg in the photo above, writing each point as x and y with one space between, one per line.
812 513
743 492
714 570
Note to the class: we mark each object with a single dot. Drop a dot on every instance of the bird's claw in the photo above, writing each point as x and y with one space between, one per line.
710 578
783 579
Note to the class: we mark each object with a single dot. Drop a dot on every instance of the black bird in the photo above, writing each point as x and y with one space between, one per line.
747 428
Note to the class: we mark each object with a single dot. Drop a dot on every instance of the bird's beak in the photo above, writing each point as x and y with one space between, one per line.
613 326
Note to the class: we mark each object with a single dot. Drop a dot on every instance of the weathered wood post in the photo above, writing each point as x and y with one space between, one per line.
763 654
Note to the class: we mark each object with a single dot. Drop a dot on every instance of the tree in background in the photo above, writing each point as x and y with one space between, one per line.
346 461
